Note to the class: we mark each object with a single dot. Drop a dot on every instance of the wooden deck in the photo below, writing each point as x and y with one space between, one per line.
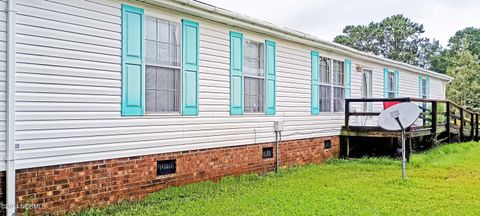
439 120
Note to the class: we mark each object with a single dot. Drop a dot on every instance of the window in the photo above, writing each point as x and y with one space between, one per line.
424 88
162 64
332 85
338 86
325 95
391 84
254 76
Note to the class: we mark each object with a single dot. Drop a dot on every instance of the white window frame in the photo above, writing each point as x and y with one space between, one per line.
246 75
332 85
367 107
325 84
342 69
179 67
424 87
392 86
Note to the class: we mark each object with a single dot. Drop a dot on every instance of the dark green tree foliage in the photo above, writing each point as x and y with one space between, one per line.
465 88
468 38
395 37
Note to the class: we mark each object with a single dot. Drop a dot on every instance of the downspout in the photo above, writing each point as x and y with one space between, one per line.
10 148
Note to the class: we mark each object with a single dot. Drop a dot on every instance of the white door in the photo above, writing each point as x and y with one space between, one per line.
367 89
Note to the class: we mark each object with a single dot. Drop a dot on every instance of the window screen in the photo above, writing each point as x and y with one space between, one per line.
325 88
253 94
162 59
338 73
338 98
254 76
325 98
254 58
161 89
325 70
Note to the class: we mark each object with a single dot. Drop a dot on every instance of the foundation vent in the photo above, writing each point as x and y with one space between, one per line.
327 144
267 152
165 167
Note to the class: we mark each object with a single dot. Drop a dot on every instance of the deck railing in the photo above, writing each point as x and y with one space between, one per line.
435 115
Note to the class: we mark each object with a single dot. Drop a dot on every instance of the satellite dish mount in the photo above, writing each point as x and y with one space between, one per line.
399 117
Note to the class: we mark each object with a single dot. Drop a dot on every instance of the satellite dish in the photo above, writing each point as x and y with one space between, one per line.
407 114
398 118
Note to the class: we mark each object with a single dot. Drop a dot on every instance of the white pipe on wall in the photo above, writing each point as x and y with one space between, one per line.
10 174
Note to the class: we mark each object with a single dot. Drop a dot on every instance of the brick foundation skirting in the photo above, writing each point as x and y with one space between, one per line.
73 187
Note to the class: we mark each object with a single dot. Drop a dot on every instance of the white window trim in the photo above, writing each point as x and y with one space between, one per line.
369 106
180 76
338 86
329 84
424 85
394 84
332 86
260 113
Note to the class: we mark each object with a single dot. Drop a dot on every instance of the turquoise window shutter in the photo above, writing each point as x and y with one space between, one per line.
348 78
270 76
420 78
133 75
189 68
315 106
428 87
397 83
236 73
385 82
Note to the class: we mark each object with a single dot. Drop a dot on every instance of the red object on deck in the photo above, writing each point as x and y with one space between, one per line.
387 104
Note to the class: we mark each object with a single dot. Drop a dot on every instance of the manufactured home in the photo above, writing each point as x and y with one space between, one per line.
104 101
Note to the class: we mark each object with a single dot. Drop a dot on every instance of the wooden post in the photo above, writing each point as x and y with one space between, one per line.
424 110
462 123
447 124
410 143
472 127
434 118
477 135
347 113
347 140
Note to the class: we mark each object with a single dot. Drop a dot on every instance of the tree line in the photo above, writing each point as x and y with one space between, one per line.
399 38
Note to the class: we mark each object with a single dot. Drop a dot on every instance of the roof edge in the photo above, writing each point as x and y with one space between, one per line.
210 12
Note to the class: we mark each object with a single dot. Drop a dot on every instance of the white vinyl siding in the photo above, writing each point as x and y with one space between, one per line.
68 87
437 89
3 83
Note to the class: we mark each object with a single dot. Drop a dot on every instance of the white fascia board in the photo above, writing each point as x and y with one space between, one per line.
230 18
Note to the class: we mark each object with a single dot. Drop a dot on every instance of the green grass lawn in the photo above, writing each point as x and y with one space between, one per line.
443 181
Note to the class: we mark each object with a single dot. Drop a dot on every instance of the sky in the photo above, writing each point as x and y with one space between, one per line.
327 18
